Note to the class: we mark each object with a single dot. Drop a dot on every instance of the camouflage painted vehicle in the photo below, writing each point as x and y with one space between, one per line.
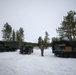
64 48
8 46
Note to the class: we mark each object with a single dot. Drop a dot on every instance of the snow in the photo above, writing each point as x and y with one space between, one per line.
13 63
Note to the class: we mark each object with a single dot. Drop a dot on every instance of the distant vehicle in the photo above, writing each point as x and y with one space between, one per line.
8 46
64 48
26 50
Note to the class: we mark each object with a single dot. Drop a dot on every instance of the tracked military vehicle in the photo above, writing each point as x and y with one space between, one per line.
64 48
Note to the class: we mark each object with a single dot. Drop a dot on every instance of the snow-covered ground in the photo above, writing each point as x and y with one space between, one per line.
13 63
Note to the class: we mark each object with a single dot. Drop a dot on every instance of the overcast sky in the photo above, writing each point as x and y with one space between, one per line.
35 16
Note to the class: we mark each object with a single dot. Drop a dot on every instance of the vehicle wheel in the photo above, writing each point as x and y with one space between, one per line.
65 55
71 55
61 55
56 54
74 55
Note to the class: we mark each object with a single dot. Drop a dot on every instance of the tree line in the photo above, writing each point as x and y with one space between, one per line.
66 30
9 34
45 42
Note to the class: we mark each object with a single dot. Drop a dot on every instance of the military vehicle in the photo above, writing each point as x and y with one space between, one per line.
64 48
8 46
26 50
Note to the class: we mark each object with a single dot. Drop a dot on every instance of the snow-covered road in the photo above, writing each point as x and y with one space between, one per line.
13 63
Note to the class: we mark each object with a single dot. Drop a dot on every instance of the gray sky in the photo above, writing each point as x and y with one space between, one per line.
35 16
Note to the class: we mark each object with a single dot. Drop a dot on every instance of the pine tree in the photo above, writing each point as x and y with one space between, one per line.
6 32
46 39
40 41
13 35
21 32
20 36
68 26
